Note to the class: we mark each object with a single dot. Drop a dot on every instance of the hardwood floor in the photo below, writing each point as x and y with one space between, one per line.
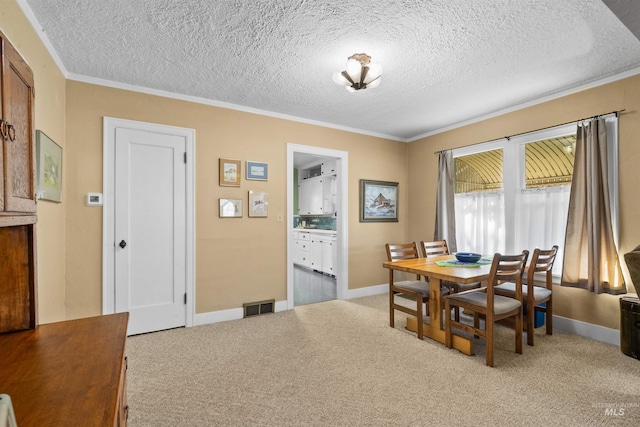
311 287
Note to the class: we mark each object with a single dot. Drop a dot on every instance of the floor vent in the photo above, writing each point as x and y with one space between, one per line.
257 308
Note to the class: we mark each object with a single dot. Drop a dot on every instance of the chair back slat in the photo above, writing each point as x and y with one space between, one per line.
542 261
397 252
438 247
506 268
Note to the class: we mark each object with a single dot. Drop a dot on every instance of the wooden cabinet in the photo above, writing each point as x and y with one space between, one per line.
17 193
17 278
17 132
68 373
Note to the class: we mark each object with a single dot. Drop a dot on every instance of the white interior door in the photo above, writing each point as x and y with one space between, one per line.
149 229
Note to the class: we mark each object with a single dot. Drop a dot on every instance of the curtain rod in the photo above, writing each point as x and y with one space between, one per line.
536 130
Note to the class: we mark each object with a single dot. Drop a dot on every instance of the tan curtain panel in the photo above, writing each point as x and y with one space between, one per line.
445 203
591 257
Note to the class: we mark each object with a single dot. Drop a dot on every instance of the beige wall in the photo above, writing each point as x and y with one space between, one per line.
69 234
621 95
237 260
50 118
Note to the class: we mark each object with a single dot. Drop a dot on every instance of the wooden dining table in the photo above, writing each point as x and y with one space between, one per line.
427 267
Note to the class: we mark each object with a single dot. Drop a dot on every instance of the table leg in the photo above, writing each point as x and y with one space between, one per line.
434 329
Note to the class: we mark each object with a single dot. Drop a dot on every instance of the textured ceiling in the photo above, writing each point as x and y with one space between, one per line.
445 62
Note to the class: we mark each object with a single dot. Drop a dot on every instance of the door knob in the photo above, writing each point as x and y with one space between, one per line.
123 244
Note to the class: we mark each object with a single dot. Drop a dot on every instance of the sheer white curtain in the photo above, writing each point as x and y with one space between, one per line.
480 223
540 220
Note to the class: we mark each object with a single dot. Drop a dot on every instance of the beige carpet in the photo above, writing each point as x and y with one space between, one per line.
338 363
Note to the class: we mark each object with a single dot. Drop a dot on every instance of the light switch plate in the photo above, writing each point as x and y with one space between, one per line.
94 199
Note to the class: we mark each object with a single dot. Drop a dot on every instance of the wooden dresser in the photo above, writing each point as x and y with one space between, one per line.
18 288
69 373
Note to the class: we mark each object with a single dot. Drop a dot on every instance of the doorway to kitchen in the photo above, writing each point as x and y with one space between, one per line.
317 267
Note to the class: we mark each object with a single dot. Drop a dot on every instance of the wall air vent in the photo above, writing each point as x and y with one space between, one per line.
257 308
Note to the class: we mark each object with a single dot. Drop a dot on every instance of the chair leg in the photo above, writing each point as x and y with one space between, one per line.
531 317
391 314
456 310
447 323
476 322
549 317
519 333
419 317
488 328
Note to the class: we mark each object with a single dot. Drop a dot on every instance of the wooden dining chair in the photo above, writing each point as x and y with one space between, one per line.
533 295
418 289
440 247
484 301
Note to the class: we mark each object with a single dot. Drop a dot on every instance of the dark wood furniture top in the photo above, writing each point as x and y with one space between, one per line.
68 373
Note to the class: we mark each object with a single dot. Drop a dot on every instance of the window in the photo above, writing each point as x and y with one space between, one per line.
514 194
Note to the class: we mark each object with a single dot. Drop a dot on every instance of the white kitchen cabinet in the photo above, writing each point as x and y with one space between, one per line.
310 196
329 256
329 194
323 252
302 248
328 167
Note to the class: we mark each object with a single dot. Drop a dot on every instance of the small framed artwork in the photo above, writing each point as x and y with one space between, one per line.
257 171
258 204
378 201
49 168
230 172
230 208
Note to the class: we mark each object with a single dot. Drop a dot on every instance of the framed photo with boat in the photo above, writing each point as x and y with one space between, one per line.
230 173
378 201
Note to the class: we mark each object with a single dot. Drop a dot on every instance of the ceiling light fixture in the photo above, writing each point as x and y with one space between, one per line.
360 73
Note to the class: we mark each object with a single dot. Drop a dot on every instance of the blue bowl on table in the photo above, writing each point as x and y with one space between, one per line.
468 257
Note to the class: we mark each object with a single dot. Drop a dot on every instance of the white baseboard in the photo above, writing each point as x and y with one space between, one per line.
584 329
587 330
367 291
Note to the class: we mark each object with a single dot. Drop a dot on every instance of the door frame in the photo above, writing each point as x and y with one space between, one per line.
342 208
110 125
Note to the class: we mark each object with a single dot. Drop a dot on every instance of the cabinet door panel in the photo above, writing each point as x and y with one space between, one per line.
310 197
316 253
327 258
19 155
17 266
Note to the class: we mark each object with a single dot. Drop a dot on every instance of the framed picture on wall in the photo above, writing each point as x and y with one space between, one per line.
230 208
48 168
257 171
378 201
258 204
230 172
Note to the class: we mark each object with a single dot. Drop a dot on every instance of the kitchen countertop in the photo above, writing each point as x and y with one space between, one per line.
315 230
